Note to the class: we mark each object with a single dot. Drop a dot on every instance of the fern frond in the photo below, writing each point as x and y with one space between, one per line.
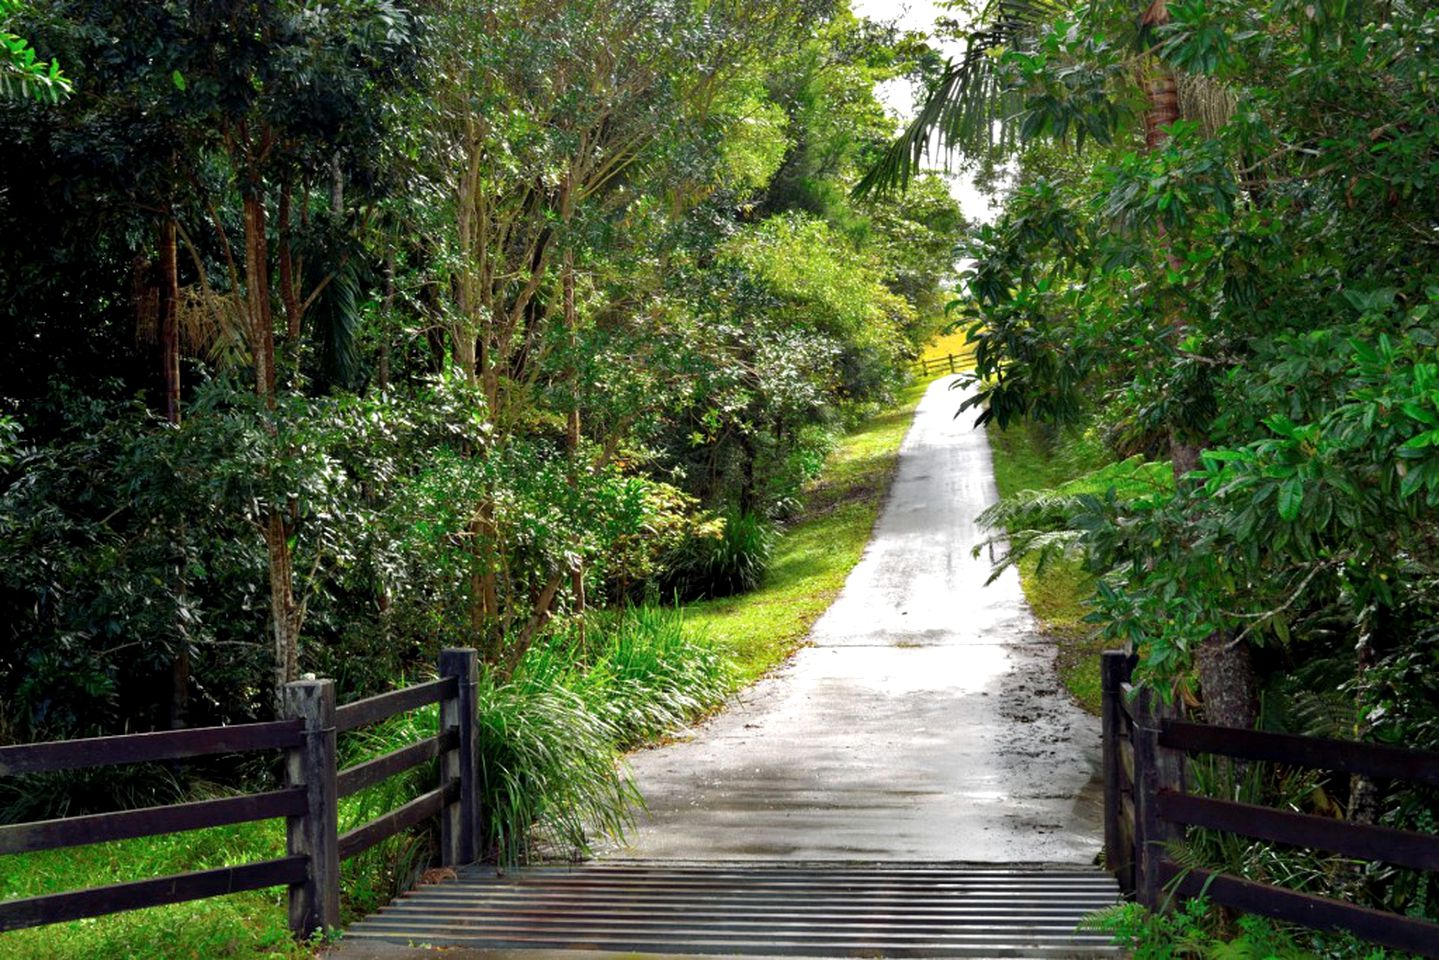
1045 546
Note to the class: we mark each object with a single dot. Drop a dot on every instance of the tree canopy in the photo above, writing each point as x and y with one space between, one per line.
354 330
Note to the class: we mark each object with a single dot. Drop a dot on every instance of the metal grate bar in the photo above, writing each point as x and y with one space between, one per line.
760 909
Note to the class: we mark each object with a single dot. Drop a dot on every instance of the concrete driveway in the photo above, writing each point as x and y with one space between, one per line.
925 721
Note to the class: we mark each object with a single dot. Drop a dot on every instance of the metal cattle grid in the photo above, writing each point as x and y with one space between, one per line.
827 909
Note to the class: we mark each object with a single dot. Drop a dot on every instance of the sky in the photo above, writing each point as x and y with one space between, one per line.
920 15
910 14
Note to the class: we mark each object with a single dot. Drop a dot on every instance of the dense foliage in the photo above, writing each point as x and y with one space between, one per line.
356 330
22 72
1220 251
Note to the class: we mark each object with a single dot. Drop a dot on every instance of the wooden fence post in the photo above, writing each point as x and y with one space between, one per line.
315 902
1114 671
460 821
1145 822
951 364
1155 769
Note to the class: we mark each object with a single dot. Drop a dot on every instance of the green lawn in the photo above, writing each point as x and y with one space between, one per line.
240 925
1029 457
253 924
954 344
816 553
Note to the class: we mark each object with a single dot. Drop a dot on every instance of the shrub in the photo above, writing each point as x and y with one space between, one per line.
733 560
1197 929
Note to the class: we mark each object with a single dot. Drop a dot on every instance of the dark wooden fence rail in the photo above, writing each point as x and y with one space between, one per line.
309 801
1147 810
934 366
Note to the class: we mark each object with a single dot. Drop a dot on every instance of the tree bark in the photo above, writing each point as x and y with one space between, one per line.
1225 667
1363 791
572 432
388 311
1162 97
289 287
337 186
257 297
1183 454
169 317
169 324
1227 681
284 617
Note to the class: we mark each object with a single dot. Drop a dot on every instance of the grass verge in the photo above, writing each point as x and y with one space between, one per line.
1032 457
815 554
240 925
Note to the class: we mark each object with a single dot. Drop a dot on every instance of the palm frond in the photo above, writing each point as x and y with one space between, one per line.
335 325
1046 546
968 110
213 325
1205 101
1052 524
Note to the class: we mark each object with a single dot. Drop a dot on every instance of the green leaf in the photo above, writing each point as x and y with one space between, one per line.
178 79
1421 414
1291 498
1226 456
1413 479
1430 438
1281 425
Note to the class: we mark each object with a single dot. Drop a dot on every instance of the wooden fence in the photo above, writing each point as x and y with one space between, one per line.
1147 810
935 366
309 801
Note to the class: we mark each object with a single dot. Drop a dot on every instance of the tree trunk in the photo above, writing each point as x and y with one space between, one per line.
284 617
1226 667
539 616
289 284
1363 791
169 324
1226 678
572 433
169 317
337 186
388 312
1162 96
1183 454
257 297
748 486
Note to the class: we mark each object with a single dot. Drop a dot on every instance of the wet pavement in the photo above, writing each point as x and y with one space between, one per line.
925 722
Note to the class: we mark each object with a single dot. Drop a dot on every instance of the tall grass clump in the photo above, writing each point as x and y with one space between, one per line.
550 734
647 675
549 768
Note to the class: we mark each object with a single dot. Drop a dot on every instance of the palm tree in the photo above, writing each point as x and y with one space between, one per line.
969 109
